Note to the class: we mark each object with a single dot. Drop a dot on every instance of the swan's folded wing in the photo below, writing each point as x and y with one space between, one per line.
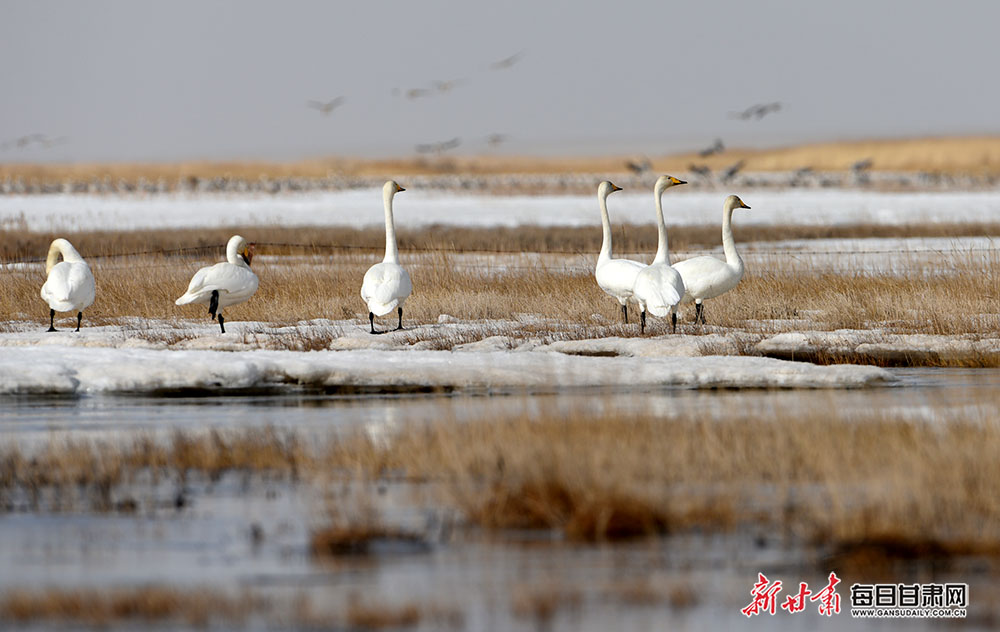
224 277
384 287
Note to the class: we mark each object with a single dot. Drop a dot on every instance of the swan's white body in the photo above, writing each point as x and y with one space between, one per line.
615 276
233 279
387 285
658 287
707 277
70 284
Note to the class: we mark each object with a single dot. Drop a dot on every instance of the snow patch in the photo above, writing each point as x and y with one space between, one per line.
56 369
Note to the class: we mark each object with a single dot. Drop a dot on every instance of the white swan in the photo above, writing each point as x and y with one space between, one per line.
387 284
708 277
226 283
70 283
615 276
658 287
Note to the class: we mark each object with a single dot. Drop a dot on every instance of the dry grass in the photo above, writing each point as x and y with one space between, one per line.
145 604
955 294
19 244
943 154
867 482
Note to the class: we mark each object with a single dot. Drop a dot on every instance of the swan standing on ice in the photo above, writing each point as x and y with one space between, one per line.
658 287
70 284
708 277
387 284
226 283
615 276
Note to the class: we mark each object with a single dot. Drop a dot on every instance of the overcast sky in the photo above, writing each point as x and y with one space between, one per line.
104 80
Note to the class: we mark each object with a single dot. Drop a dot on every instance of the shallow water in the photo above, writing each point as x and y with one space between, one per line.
483 575
926 393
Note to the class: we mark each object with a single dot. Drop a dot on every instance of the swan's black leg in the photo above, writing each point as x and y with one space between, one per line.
400 310
673 322
702 311
625 312
697 313
222 325
642 322
371 319
52 319
213 305
79 319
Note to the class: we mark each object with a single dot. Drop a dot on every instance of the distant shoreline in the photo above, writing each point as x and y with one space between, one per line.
977 156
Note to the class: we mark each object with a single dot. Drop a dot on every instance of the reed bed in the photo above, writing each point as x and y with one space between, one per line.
954 294
841 482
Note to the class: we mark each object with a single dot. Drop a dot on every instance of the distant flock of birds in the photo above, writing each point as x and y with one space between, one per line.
658 288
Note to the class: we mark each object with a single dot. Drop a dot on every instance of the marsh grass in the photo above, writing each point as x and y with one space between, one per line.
143 604
843 482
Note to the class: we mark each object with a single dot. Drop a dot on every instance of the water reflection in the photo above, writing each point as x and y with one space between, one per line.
923 394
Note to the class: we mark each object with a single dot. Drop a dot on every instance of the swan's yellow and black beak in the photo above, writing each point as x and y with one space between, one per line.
742 205
676 181
615 187
399 188
247 253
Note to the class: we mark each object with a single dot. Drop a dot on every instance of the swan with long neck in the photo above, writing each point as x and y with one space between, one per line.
386 285
707 277
615 276
69 286
224 284
658 287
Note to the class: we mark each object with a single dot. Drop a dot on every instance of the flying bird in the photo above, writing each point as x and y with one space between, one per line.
701 170
325 107
730 172
507 62
438 148
495 140
447 86
416 93
638 168
716 148
756 111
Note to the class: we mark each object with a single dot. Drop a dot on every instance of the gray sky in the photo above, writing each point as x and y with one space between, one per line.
180 80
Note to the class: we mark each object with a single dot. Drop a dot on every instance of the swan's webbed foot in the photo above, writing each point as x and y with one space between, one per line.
79 319
673 322
52 320
625 313
642 322
222 322
400 310
371 319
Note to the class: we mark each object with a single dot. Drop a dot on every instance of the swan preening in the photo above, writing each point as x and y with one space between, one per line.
658 287
615 276
707 277
226 283
386 285
70 283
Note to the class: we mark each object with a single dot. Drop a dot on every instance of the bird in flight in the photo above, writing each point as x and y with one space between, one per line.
438 148
507 62
325 107
756 111
495 140
716 148
447 86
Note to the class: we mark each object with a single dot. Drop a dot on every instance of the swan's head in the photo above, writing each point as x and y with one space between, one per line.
391 188
733 202
238 247
605 189
665 182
